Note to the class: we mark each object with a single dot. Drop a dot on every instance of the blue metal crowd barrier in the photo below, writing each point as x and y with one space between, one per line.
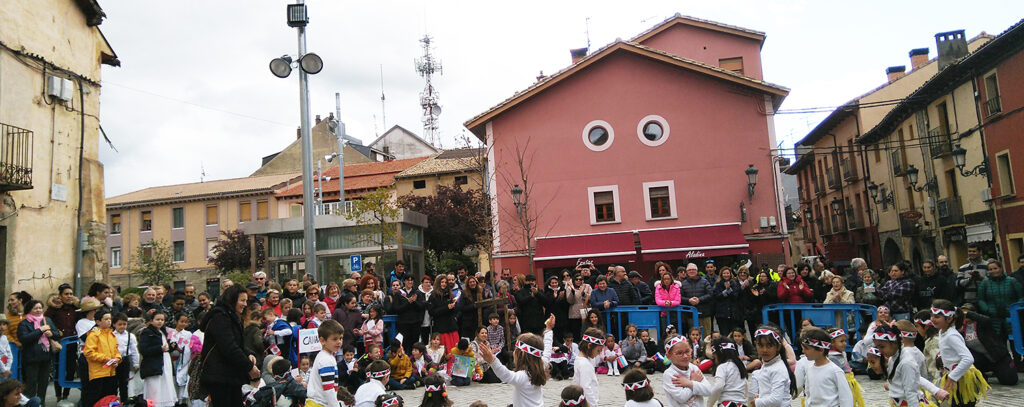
390 327
846 316
1016 322
647 317
15 362
62 362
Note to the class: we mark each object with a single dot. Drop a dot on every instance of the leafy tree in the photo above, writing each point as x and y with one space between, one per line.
376 216
456 217
154 262
233 252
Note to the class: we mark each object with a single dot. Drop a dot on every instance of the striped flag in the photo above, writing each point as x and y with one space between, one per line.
621 362
658 357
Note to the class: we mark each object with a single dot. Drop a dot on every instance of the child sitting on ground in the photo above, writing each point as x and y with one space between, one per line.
284 389
401 368
378 373
610 355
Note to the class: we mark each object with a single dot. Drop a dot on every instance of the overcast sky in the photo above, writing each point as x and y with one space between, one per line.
194 91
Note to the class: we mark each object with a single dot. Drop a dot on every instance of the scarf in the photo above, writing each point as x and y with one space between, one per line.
38 321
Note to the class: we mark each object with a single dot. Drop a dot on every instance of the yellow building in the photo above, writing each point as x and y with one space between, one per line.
190 218
926 207
841 220
51 180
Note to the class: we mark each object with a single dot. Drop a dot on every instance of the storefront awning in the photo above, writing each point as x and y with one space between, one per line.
691 242
981 232
565 251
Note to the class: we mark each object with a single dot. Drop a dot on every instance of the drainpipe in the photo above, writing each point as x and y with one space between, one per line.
79 245
984 154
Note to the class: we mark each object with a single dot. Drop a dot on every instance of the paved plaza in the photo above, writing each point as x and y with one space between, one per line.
499 395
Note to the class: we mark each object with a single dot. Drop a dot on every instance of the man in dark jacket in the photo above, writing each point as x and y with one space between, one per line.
623 288
1019 272
531 310
409 309
930 286
645 295
697 292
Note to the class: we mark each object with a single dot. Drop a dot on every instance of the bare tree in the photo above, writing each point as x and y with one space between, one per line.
525 209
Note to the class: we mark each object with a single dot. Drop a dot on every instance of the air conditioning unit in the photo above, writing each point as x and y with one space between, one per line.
986 195
60 88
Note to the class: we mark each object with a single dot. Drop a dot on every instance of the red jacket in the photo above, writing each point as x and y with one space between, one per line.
796 292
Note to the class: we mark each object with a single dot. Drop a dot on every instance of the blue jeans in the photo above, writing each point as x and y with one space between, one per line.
460 381
32 402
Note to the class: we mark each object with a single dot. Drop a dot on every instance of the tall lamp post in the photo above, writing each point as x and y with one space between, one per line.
308 63
524 220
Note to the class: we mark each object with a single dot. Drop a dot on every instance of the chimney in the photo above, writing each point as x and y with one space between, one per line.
578 54
541 76
317 119
918 57
895 72
952 46
298 133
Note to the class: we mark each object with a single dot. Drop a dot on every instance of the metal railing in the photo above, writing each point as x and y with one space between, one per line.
333 208
15 158
992 106
897 162
909 227
831 175
938 142
851 219
849 170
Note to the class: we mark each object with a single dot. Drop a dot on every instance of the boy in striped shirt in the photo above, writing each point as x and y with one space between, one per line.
322 389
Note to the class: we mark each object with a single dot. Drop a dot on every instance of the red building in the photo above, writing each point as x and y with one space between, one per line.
998 73
640 152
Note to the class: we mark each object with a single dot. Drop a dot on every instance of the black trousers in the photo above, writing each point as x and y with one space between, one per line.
36 379
95 389
410 334
122 379
575 326
224 395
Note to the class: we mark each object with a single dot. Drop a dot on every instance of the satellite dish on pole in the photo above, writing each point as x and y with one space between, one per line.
435 110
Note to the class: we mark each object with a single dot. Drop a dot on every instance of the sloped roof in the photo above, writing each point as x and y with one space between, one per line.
446 162
1002 46
404 130
358 177
476 123
202 190
701 23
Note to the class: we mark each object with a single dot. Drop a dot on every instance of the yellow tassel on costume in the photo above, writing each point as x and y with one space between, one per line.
858 393
970 388
927 400
311 403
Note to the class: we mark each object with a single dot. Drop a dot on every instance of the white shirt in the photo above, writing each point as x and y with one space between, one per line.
426 315
953 351
321 386
730 384
648 403
826 386
771 384
685 396
367 394
131 352
919 359
524 393
585 376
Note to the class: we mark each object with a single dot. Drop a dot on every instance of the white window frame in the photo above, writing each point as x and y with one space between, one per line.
586 135
664 130
115 253
614 189
671 199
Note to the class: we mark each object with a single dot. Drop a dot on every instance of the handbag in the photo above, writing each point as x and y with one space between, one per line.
196 371
55 346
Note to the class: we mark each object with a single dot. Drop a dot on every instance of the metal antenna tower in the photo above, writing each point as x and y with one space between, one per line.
427 66
383 107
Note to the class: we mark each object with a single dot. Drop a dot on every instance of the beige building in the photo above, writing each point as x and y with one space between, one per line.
189 217
289 160
943 211
463 167
51 181
842 220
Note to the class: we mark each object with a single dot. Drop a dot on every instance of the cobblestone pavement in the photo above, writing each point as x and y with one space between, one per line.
499 395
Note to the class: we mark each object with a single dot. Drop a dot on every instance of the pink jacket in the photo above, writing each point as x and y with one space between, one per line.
373 332
606 353
667 298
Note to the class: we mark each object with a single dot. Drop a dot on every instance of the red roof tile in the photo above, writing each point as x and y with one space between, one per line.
358 177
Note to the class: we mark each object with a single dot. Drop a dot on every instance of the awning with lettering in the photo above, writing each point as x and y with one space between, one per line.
602 248
691 242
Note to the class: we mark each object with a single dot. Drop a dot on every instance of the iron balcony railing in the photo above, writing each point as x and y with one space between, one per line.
851 219
909 227
897 162
939 144
15 158
333 208
951 211
831 175
849 170
992 106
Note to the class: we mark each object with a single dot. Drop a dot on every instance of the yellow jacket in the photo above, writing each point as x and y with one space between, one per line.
101 346
401 367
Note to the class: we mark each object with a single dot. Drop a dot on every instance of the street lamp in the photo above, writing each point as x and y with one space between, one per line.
524 220
517 197
808 214
308 63
886 198
837 206
912 176
751 180
960 159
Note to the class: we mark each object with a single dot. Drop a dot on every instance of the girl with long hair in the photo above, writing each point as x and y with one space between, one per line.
442 312
774 384
730 373
530 367
960 378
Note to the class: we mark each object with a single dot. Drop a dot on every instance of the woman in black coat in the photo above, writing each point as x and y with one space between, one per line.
406 305
442 312
763 292
471 317
35 356
347 314
531 309
227 366
556 302
151 348
727 295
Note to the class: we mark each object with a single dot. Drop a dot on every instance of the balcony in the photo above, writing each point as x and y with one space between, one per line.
849 169
939 144
804 196
832 181
851 219
951 211
992 106
819 190
821 227
15 158
333 208
909 227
